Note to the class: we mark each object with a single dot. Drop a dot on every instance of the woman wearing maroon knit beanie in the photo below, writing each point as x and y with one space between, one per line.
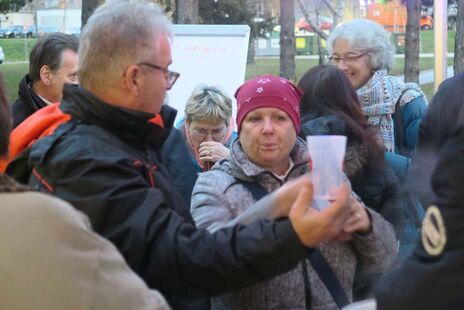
266 155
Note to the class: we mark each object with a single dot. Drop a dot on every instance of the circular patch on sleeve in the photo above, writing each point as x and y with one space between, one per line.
433 231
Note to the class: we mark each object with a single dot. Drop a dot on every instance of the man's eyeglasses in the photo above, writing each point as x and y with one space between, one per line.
347 59
171 76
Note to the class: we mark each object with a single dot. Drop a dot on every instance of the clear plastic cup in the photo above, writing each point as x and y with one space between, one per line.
326 155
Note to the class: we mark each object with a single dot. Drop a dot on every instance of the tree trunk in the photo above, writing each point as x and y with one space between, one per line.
321 50
88 6
187 11
459 40
251 51
356 9
411 57
287 40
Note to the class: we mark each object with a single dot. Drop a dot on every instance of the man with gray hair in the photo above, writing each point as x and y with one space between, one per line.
105 160
52 63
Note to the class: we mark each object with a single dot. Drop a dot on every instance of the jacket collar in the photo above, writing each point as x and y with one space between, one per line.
9 185
28 96
130 125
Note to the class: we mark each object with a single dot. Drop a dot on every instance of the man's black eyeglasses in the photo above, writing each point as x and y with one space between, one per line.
171 76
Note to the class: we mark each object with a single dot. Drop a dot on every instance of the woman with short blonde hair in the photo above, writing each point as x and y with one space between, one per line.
208 125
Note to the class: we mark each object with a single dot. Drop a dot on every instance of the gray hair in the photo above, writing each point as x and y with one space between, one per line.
116 36
366 36
208 103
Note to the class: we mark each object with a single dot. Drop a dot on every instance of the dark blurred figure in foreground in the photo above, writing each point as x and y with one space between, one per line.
431 278
51 259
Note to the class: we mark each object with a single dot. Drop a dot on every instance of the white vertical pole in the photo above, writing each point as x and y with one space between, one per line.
440 26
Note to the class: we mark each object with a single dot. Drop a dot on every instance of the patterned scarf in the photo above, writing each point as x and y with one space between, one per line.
378 99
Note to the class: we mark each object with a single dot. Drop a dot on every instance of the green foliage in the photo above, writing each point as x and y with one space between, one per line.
17 49
234 12
12 74
11 5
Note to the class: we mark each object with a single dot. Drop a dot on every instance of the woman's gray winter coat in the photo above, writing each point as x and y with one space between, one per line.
218 198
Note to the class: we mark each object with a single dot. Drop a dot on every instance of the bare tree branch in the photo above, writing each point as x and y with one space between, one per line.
331 9
338 16
313 25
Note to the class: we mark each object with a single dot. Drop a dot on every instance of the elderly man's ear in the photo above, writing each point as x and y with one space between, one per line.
131 79
46 75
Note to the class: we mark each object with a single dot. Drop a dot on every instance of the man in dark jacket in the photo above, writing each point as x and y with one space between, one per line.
106 162
444 114
435 270
52 62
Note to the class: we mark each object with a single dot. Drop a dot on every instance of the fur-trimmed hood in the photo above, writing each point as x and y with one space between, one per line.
9 185
356 156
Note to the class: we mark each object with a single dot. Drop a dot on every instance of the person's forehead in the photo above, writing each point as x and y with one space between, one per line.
343 46
210 124
162 48
70 57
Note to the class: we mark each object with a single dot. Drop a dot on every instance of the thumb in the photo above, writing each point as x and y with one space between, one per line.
303 201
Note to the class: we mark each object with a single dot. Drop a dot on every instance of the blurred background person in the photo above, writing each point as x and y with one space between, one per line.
51 258
444 114
53 61
434 271
267 154
363 50
208 126
330 106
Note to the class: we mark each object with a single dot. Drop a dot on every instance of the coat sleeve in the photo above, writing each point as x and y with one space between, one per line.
391 204
118 287
209 207
377 249
164 248
412 114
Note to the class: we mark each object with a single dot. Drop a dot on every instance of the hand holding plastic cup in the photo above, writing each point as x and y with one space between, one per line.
326 164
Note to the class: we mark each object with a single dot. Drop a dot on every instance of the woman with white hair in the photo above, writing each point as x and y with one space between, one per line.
362 49
266 156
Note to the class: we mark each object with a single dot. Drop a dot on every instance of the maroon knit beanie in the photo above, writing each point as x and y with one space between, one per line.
269 91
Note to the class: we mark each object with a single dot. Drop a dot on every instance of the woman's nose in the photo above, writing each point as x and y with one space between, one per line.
268 126
342 65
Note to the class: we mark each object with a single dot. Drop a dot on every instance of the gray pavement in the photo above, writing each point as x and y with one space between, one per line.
428 76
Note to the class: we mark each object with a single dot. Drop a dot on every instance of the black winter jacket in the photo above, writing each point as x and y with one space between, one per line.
431 278
374 183
27 103
105 162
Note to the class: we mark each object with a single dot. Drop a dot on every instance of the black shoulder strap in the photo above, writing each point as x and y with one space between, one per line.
254 188
328 277
317 260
